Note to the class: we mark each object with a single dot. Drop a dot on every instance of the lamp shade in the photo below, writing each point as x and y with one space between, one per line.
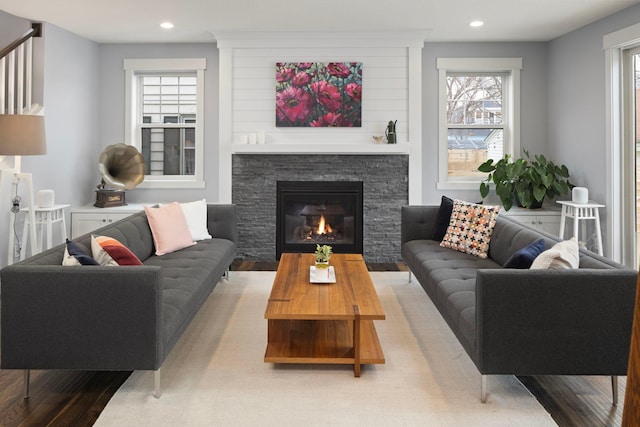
22 135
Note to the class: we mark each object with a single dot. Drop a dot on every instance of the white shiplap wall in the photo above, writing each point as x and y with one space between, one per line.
384 94
391 80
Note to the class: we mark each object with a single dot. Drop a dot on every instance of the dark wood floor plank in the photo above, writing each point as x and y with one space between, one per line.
581 401
95 394
58 398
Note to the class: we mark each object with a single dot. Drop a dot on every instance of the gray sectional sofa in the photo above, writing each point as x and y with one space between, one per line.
521 321
111 318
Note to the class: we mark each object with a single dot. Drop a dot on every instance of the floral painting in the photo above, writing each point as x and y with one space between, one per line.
310 94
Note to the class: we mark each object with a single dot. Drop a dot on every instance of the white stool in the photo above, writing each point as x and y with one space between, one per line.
48 217
580 211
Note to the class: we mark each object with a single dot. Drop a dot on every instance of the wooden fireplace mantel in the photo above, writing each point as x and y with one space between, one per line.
357 149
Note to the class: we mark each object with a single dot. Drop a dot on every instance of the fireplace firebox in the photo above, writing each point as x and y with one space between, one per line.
318 212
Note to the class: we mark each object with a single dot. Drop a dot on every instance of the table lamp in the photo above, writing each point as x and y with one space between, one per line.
22 135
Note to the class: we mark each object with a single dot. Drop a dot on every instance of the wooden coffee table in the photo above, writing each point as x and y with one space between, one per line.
328 323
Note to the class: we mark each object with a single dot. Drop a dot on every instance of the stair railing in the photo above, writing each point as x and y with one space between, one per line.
16 74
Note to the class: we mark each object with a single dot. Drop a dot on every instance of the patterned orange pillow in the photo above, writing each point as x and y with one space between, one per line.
109 251
470 228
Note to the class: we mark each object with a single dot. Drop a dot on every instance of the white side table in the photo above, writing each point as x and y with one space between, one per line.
44 217
581 211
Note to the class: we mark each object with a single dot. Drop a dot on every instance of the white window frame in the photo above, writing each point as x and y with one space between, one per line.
133 135
620 199
511 108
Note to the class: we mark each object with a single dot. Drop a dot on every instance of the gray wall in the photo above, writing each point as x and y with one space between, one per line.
11 28
71 75
111 96
67 66
532 109
576 103
576 91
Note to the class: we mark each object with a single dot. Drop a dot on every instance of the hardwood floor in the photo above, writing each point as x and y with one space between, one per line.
76 398
57 398
578 401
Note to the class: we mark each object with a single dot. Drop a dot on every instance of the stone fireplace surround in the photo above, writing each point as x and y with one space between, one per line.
385 185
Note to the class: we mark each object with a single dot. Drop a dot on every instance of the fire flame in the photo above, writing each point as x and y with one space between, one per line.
323 227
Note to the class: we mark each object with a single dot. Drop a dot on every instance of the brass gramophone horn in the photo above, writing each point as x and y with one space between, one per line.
122 166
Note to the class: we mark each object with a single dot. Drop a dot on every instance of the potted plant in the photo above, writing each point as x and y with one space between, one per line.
323 253
526 181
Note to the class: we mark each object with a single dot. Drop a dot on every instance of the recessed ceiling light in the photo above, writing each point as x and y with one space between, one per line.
167 25
476 24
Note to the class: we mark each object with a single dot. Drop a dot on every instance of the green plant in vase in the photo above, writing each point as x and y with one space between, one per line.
323 254
525 181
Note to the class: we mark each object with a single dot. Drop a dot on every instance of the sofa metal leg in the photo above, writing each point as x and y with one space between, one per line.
614 389
25 379
483 388
410 276
226 274
156 377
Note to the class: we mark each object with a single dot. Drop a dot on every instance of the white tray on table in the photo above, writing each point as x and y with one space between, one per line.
322 275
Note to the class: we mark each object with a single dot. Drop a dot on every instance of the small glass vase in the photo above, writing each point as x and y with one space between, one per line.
322 264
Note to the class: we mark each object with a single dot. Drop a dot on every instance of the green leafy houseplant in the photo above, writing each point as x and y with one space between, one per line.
530 180
323 253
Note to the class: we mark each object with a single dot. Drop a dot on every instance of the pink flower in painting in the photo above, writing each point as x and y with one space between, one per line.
338 69
301 79
327 94
293 104
354 90
285 74
328 120
318 94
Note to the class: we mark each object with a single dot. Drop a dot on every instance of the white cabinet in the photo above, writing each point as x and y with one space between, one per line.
546 219
89 218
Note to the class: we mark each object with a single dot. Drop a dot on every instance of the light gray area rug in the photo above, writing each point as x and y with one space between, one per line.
215 376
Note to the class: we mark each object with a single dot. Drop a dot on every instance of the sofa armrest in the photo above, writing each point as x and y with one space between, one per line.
567 322
222 221
90 318
417 222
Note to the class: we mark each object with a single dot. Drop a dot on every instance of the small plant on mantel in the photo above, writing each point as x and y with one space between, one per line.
323 253
525 181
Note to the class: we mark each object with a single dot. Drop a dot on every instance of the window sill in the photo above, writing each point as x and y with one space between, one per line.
459 185
171 184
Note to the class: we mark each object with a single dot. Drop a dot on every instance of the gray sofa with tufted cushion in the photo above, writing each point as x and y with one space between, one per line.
524 322
110 318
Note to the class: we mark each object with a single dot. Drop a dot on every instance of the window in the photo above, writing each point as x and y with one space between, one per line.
164 119
478 116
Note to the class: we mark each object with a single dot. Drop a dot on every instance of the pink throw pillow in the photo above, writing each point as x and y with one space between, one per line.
169 228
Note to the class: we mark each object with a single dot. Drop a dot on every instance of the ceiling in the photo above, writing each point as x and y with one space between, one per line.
126 21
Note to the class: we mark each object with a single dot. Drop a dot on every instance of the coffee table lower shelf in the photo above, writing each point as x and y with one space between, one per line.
322 342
